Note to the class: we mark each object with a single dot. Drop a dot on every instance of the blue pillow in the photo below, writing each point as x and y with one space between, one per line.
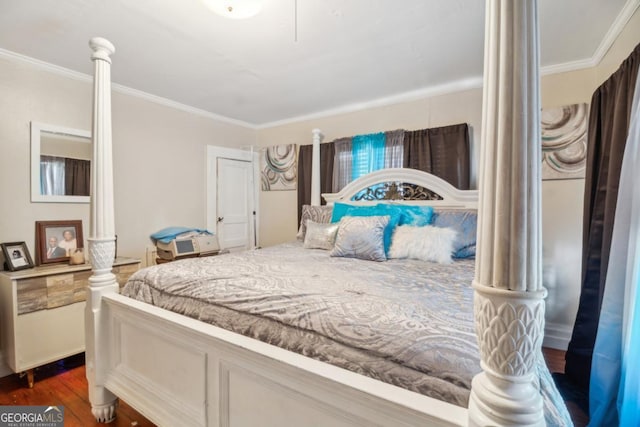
417 216
339 210
344 209
465 222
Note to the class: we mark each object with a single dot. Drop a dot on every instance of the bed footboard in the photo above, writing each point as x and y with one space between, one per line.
180 371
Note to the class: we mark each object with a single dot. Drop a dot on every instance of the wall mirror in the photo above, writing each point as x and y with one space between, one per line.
60 164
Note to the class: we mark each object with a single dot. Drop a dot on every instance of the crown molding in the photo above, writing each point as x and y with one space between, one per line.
567 66
609 39
125 90
428 92
458 86
179 106
45 66
616 28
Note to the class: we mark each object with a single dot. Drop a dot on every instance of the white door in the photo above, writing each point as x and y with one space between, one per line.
232 195
235 210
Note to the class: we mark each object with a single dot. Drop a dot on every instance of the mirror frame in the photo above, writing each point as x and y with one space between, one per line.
36 129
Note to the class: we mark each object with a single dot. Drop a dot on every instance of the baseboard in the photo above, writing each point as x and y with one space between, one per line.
557 335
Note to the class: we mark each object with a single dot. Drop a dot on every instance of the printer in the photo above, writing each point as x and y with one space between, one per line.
186 244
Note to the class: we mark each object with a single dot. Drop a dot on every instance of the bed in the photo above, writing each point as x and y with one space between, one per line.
387 320
178 370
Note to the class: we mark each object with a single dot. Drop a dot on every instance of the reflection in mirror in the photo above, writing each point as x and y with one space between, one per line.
60 164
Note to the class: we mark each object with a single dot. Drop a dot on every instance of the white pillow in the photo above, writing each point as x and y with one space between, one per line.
426 243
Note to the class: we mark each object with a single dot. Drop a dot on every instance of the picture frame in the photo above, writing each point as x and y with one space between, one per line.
55 240
17 256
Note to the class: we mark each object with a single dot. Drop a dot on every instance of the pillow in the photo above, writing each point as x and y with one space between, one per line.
465 223
412 214
361 237
341 210
426 243
320 236
319 214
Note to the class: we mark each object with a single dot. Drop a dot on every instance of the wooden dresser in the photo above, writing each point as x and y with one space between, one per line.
42 312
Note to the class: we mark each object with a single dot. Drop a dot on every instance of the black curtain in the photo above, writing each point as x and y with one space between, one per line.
77 176
305 155
607 136
442 151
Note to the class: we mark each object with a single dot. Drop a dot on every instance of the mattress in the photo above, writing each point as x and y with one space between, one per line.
404 322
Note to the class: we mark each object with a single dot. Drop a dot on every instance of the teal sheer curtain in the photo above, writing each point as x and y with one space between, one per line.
614 391
368 154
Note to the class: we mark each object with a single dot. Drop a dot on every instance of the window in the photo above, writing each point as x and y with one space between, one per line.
363 154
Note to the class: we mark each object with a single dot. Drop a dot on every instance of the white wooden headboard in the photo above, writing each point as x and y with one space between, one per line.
425 188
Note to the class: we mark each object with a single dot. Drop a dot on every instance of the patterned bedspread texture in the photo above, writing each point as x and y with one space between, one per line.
404 322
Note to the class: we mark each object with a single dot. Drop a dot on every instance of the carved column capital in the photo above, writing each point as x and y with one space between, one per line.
509 326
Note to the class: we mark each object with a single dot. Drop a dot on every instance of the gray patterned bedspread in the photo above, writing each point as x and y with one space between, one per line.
405 322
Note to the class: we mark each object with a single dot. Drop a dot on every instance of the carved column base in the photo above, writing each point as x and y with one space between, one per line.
509 326
102 282
105 413
495 401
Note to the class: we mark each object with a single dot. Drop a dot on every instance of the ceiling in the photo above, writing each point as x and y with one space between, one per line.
295 61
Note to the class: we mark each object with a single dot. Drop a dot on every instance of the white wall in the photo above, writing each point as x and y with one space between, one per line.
159 157
279 208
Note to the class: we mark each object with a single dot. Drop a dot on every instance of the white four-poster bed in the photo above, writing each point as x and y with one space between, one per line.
180 371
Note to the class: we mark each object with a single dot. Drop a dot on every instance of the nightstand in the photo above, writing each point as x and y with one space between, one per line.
42 312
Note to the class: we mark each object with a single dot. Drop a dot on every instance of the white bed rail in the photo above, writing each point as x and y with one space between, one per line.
179 371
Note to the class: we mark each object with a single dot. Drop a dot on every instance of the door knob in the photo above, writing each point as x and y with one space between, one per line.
220 218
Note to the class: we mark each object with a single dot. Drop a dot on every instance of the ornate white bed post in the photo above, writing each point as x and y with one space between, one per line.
102 234
509 297
315 168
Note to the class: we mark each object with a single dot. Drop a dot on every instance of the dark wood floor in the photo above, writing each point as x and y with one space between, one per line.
64 384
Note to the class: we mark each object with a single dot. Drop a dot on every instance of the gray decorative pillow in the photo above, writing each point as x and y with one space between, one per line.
320 236
465 223
361 237
319 214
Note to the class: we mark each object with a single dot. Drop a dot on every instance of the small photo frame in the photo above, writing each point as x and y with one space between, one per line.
16 256
57 240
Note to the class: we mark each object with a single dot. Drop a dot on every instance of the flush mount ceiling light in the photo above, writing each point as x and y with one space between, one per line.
234 9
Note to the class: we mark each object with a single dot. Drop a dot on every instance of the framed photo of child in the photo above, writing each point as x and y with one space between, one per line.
16 255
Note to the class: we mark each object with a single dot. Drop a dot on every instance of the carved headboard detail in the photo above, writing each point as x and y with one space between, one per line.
404 185
394 190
